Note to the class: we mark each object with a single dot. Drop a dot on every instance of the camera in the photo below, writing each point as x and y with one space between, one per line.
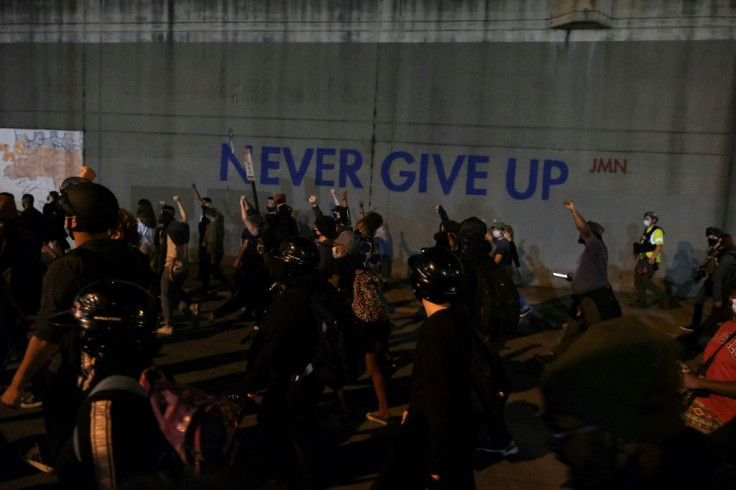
699 274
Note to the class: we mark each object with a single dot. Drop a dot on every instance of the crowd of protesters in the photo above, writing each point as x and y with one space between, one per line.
302 292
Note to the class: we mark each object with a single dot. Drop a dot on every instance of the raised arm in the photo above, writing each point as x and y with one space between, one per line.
182 211
334 196
196 194
249 223
580 223
315 207
443 215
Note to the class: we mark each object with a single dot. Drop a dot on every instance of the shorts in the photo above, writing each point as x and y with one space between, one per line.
372 333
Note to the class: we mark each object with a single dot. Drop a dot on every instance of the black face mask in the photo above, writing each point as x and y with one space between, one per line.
315 235
712 242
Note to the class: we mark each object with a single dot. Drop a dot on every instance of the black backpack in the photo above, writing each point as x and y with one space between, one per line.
497 305
489 385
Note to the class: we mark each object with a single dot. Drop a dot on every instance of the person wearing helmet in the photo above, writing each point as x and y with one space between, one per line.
114 324
91 212
436 439
648 254
593 298
281 362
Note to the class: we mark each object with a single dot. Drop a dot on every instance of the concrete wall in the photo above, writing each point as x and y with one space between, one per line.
481 107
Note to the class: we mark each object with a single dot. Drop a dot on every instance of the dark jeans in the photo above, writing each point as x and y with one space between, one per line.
208 269
643 283
173 294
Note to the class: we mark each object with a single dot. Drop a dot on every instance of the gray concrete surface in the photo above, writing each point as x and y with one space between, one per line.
212 357
478 105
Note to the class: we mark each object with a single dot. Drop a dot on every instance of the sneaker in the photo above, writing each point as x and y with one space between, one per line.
504 450
377 418
33 457
688 328
194 308
525 312
30 400
165 330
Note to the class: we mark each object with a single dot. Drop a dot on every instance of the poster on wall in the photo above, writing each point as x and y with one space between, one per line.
36 161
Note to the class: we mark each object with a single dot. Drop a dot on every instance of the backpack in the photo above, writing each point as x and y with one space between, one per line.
333 359
497 305
199 427
369 305
489 385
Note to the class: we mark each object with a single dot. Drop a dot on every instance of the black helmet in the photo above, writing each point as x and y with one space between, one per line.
299 253
472 230
113 317
95 206
436 275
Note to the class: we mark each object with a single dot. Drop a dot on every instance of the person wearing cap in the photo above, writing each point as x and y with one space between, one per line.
613 402
719 264
434 446
648 253
91 211
593 298
447 235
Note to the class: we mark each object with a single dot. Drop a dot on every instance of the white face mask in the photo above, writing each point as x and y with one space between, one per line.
733 305
334 253
647 223
496 234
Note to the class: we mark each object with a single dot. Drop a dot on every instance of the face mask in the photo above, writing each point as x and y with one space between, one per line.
733 306
315 235
496 234
647 223
334 253
712 242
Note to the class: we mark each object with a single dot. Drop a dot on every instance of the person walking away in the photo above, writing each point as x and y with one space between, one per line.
176 270
434 446
282 364
117 442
